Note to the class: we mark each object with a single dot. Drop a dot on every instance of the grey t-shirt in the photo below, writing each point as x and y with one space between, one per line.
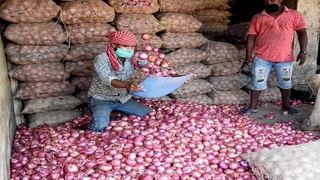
103 75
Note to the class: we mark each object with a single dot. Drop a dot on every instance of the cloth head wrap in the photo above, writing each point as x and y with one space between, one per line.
122 37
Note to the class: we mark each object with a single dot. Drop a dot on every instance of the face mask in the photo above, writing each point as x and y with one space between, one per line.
271 8
124 53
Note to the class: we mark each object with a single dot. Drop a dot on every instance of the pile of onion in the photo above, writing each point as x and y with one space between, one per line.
157 65
177 140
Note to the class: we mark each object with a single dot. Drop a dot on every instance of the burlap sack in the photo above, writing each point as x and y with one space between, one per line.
24 54
225 69
219 52
237 33
296 162
270 94
46 72
314 83
154 42
201 98
138 23
80 68
193 88
178 5
86 11
185 56
43 89
50 104
83 96
199 70
81 83
225 83
89 32
177 22
229 97
48 33
213 27
183 40
135 7
212 15
86 51
52 118
29 11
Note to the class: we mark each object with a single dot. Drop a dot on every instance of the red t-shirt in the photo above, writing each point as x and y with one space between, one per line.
275 36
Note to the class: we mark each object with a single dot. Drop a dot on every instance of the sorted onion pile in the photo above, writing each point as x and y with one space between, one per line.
178 140
157 65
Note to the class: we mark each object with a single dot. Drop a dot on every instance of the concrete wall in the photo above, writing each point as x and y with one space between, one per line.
311 11
7 122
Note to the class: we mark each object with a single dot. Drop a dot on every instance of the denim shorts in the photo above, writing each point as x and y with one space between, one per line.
261 69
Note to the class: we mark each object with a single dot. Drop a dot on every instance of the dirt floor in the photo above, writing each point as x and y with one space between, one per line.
267 108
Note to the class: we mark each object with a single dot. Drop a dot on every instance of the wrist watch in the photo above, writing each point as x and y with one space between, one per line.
303 52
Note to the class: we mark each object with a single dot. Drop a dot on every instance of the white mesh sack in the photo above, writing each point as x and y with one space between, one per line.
192 88
86 11
183 40
201 98
89 32
138 23
313 122
219 52
43 89
83 96
47 33
46 72
86 51
80 68
81 83
187 6
225 68
199 70
177 22
213 27
212 15
298 162
185 56
50 104
28 11
24 54
52 117
229 97
225 83
135 7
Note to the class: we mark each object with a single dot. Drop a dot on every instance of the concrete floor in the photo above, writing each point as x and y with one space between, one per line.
264 109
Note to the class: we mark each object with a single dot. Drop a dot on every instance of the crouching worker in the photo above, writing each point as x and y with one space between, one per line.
110 85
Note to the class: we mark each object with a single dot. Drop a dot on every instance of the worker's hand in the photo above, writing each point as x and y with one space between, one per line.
133 87
249 60
301 58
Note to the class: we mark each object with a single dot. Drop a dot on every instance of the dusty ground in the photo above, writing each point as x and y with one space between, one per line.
305 109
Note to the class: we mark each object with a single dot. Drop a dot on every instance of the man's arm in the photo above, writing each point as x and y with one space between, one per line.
249 47
303 41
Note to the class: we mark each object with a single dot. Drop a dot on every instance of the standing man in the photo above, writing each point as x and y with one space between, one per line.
270 38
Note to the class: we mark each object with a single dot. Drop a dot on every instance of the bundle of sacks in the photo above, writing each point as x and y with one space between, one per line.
36 49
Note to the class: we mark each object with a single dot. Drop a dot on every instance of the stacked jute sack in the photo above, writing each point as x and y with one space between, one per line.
213 14
182 41
35 50
88 25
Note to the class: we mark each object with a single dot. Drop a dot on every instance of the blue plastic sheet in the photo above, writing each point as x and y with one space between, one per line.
155 87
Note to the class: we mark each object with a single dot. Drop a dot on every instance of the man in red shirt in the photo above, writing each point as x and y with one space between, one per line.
270 39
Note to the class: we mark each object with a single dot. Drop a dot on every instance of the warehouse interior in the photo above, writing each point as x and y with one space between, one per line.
240 13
